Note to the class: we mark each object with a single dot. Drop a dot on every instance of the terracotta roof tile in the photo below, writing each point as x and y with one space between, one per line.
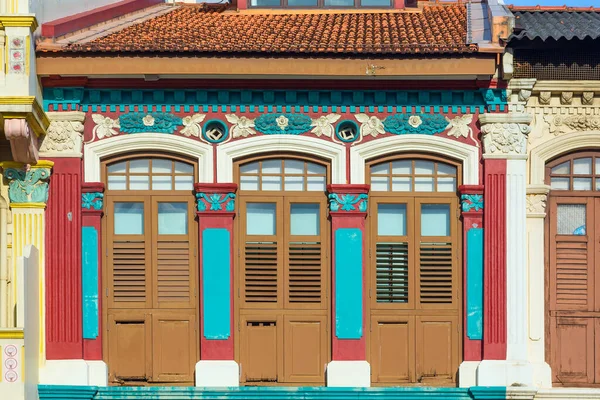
202 29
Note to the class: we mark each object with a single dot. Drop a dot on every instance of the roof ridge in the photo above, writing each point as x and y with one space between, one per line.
564 8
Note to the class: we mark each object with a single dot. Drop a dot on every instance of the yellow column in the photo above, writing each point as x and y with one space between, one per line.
28 194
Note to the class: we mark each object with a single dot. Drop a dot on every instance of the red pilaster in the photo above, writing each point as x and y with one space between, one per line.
91 215
63 261
348 349
472 218
494 298
210 218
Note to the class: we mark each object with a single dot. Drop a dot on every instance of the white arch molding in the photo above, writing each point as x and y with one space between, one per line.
229 152
94 152
467 154
557 146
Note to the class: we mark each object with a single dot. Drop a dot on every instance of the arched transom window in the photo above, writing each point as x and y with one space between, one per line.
413 176
577 173
150 174
283 175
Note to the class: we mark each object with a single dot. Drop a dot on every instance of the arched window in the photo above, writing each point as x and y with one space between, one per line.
414 269
283 270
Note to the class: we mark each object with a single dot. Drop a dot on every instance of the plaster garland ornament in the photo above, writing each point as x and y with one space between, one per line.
505 137
105 127
29 185
370 126
422 124
191 125
347 202
566 97
471 202
323 126
460 126
587 98
536 203
242 126
92 200
63 136
545 97
153 122
215 201
564 124
290 124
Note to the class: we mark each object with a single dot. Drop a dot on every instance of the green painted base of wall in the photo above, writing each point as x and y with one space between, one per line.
52 392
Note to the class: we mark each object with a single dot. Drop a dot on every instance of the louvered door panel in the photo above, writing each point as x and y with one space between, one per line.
261 275
174 274
571 273
392 272
436 273
305 273
129 273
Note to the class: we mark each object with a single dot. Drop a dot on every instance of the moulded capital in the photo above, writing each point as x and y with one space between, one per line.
64 135
92 196
505 135
28 184
344 199
471 198
537 197
215 197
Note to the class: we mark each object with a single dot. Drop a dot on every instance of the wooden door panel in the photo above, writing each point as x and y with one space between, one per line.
437 349
129 347
572 350
261 349
305 348
392 349
174 346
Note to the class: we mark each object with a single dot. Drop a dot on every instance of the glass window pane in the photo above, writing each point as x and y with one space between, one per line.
260 218
315 183
250 168
294 183
172 218
183 168
185 182
424 167
161 182
582 183
117 168
380 183
374 3
294 167
401 184
570 219
339 3
582 166
116 182
304 219
139 182
560 183
313 168
446 184
271 167
424 184
160 166
381 169
129 218
249 182
562 169
435 220
597 183
445 169
597 168
391 219
402 167
139 166
302 3
271 183
265 3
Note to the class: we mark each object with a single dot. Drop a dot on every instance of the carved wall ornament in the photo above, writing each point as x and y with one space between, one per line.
63 136
424 124
153 122
242 126
348 202
92 200
215 201
559 124
460 126
29 185
105 126
524 94
17 55
323 126
566 97
291 124
587 98
471 202
505 137
536 203
545 98
191 125
370 126
23 141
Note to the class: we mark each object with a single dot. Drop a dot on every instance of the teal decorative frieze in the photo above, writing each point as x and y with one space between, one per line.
291 124
348 202
425 124
27 185
471 202
153 122
92 200
215 201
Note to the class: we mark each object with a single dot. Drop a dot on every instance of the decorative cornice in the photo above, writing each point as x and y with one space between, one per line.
27 185
64 135
25 21
505 135
28 108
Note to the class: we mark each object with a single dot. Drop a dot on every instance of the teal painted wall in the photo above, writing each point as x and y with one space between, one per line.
89 281
216 283
348 283
475 283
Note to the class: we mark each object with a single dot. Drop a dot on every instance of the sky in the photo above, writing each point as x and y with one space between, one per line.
570 3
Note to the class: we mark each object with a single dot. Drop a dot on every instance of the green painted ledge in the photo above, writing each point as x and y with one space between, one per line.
52 392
